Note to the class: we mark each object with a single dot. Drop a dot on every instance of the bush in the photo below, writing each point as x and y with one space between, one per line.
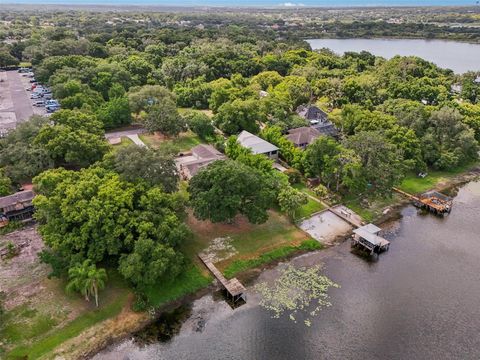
294 176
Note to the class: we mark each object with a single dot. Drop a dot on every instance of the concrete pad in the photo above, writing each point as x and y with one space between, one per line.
115 141
325 227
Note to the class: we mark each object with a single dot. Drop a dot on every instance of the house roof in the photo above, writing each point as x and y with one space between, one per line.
256 144
326 128
312 112
303 135
202 155
371 238
203 151
371 228
8 203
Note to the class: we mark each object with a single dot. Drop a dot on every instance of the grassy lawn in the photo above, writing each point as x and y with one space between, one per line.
35 329
249 241
191 280
376 205
238 266
183 142
207 112
415 185
311 206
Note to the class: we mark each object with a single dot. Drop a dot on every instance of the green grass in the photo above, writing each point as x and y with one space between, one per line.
238 266
248 239
36 332
415 185
188 282
72 329
124 142
308 209
184 142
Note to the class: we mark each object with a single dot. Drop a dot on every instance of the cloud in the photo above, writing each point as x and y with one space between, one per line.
289 4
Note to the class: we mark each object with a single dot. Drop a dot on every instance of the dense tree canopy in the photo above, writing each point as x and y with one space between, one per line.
228 188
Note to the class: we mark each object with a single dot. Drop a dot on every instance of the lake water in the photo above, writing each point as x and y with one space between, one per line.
420 300
458 56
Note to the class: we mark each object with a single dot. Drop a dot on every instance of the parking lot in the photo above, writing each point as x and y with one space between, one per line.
15 103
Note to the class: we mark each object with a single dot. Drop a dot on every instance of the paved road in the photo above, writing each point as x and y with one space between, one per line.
22 106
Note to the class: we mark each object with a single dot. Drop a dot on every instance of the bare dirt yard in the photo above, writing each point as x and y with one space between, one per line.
326 227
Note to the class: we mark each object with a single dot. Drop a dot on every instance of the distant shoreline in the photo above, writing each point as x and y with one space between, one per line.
110 5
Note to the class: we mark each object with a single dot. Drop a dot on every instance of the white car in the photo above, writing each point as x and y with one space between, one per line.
39 103
35 96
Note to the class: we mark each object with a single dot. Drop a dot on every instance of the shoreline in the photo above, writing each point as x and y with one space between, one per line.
248 276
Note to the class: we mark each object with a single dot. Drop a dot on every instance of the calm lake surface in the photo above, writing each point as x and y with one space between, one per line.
420 300
458 56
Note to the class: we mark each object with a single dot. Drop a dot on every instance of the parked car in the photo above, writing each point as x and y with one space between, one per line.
24 70
35 96
33 80
39 103
47 96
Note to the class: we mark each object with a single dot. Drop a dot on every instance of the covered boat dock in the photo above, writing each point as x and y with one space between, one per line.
367 237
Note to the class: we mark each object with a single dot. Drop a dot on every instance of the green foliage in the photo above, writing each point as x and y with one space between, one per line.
86 279
190 280
239 266
93 214
233 117
292 155
75 139
5 184
115 113
290 200
149 262
137 164
200 124
20 158
226 188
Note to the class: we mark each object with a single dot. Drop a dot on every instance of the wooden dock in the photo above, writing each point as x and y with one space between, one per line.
432 201
233 287
346 214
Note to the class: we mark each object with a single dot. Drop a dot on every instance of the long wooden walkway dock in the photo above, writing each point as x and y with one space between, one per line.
433 201
234 287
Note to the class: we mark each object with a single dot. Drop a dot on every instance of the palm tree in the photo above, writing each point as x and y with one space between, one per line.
86 279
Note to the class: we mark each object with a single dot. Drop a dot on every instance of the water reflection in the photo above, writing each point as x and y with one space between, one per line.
420 300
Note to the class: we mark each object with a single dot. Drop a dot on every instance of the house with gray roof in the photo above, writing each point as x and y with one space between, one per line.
303 136
199 157
257 145
318 119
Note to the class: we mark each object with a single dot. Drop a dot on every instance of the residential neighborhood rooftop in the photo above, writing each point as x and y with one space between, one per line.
256 144
199 157
303 136
21 198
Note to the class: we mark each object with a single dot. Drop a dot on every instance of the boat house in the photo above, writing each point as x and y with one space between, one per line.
367 237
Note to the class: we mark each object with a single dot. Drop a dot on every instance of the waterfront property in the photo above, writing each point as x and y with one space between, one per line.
234 288
16 207
200 156
433 201
367 238
257 145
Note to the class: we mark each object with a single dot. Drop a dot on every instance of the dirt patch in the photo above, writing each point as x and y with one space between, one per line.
207 229
21 277
325 227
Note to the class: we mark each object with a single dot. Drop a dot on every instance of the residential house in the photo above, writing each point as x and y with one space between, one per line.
257 145
16 207
200 156
317 119
303 136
